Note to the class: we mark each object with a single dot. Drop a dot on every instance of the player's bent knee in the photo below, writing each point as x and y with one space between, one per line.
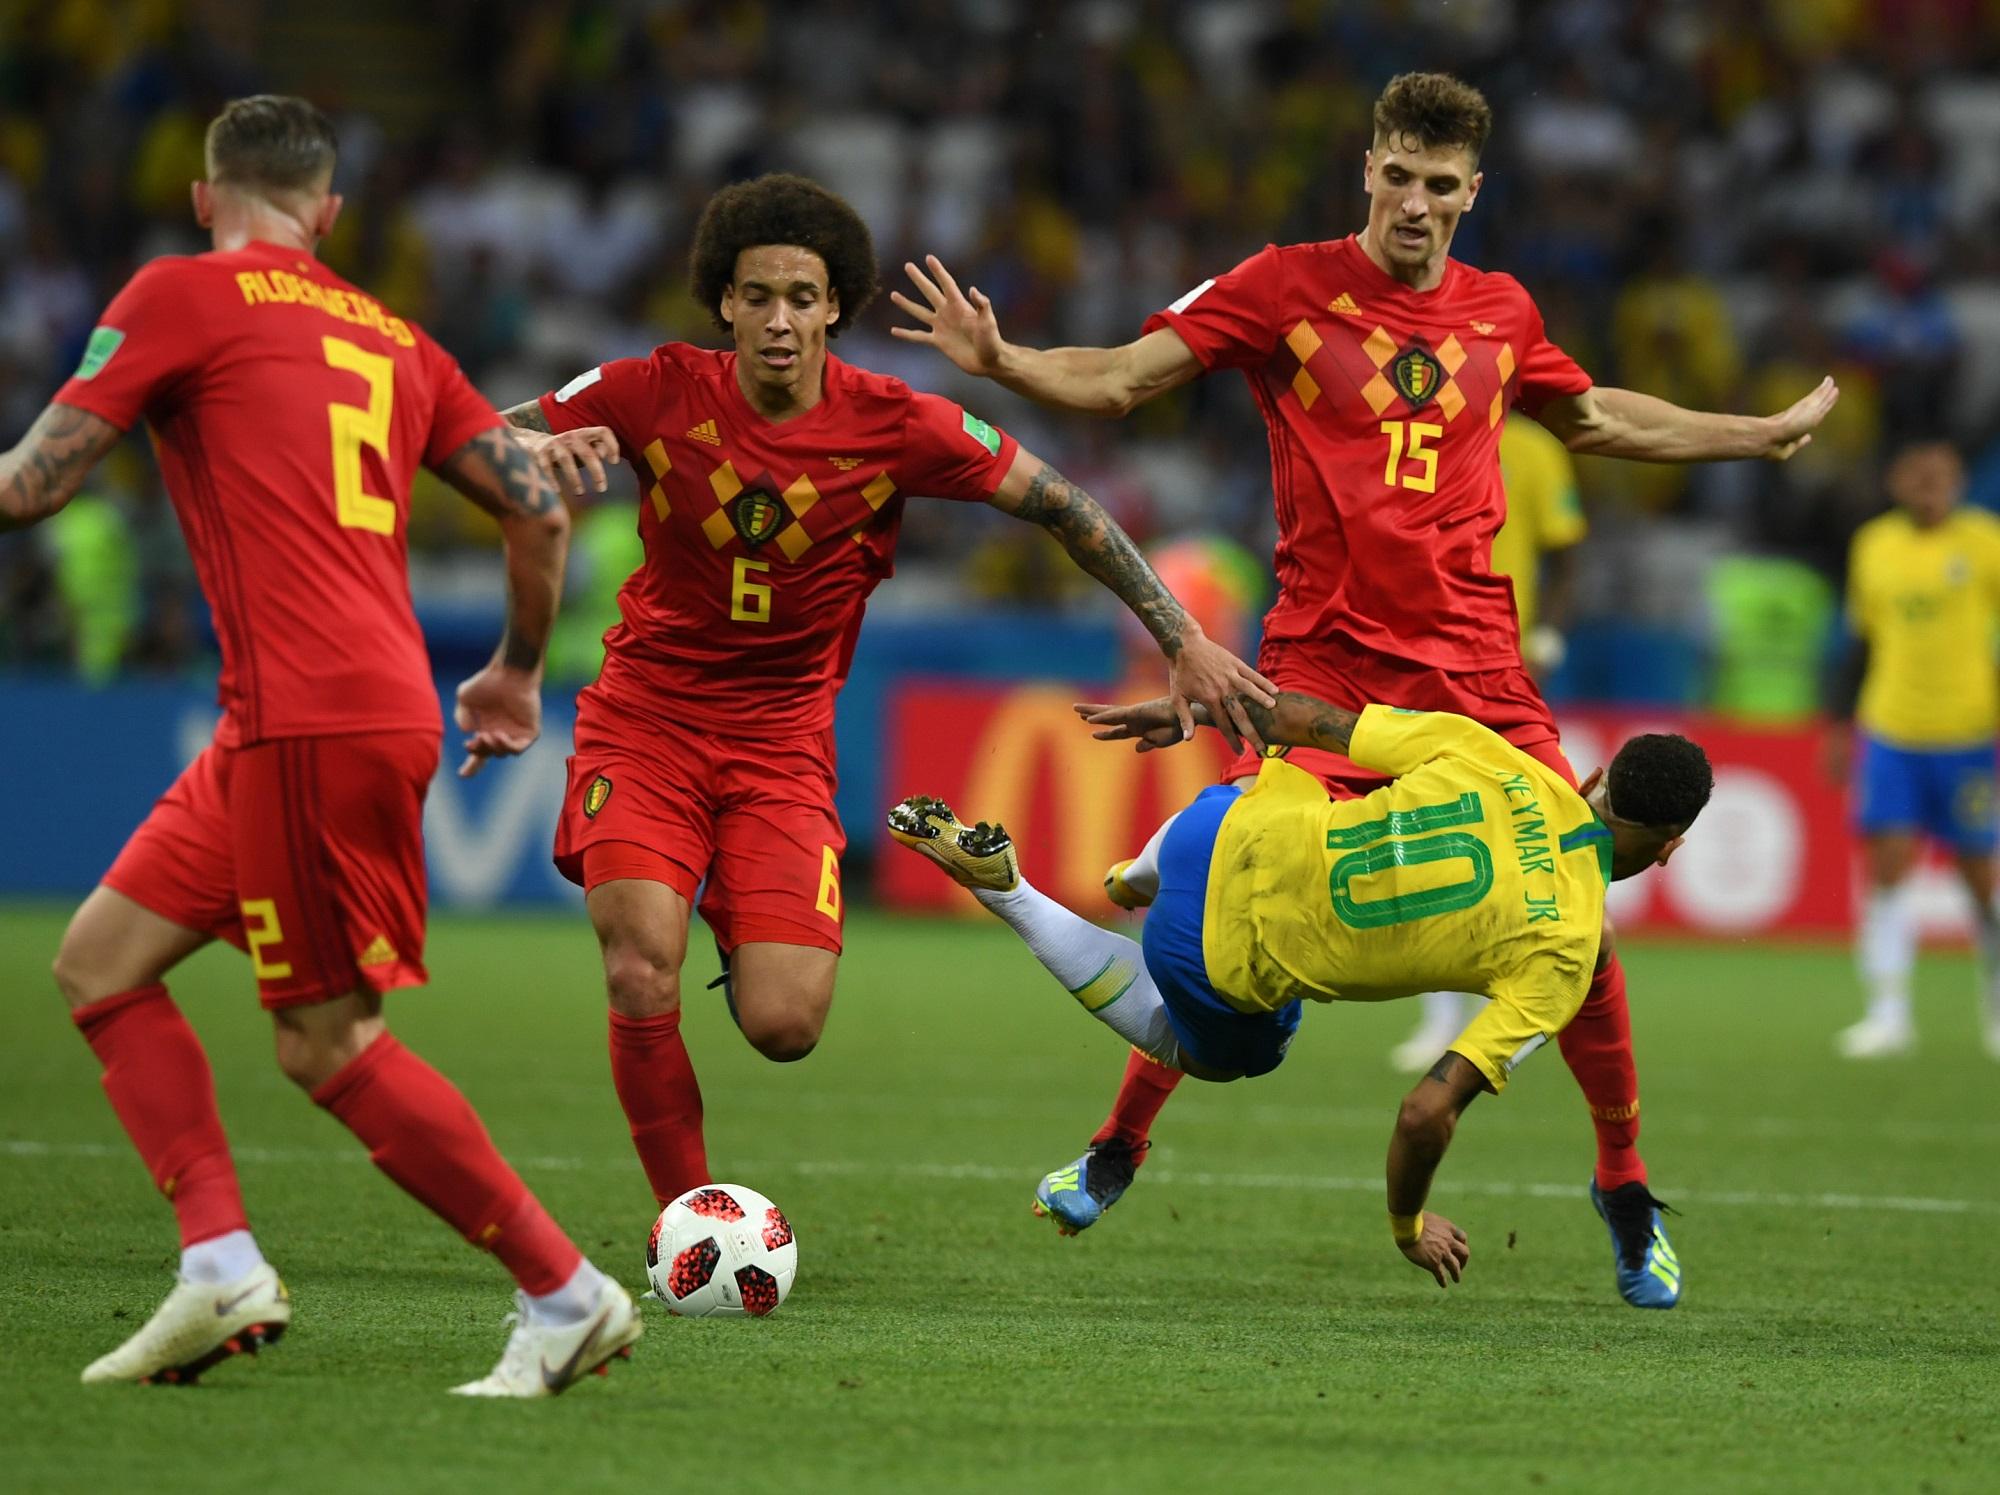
313 1045
783 1036
639 985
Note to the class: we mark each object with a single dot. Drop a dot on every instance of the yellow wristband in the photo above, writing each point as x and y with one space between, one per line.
1407 1229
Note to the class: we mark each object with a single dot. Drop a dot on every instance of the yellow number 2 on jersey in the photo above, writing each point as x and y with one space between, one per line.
1417 449
355 427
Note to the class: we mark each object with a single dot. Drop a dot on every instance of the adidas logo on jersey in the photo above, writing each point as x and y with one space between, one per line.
704 432
845 464
379 952
1344 305
1484 329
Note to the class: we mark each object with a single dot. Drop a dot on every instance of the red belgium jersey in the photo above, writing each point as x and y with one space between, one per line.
763 540
289 411
1384 407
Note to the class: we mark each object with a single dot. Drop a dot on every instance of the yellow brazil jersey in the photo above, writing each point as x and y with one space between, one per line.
1478 870
1543 513
1928 603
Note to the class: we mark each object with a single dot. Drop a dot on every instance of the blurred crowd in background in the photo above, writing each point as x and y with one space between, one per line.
1716 201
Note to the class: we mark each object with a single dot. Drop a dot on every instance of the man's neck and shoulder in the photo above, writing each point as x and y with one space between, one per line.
1356 283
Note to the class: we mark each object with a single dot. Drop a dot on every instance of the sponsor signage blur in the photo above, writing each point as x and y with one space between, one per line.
1770 855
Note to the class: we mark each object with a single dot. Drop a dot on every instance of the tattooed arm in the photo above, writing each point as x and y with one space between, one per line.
1199 669
500 708
527 416
1293 719
1424 1127
45 469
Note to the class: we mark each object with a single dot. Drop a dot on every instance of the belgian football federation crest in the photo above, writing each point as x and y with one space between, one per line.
595 796
755 516
1417 375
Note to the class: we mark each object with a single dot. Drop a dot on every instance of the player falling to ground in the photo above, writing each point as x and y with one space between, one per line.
1918 681
773 478
1383 368
1476 868
1535 549
290 411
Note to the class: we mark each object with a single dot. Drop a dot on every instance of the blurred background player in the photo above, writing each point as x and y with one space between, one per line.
1535 550
1475 866
774 479
1915 709
1383 368
290 412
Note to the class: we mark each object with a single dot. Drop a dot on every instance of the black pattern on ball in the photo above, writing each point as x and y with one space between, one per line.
653 1242
693 1267
759 1290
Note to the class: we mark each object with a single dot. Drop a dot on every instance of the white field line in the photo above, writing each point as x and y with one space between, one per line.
989 1172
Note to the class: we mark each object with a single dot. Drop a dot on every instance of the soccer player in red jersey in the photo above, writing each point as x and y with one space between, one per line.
773 478
290 411
1383 368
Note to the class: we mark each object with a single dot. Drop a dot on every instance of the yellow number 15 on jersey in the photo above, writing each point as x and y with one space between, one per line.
1409 441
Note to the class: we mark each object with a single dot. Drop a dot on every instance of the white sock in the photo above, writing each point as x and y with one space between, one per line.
222 1258
1886 951
571 1302
1989 960
1143 876
1105 972
1444 1012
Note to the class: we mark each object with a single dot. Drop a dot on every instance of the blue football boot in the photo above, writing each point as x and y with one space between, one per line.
1074 1197
1649 1274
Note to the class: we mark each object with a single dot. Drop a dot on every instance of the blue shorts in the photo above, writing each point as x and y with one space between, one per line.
1215 1036
1947 793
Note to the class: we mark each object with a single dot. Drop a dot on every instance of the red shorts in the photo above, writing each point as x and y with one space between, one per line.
751 824
306 852
1505 700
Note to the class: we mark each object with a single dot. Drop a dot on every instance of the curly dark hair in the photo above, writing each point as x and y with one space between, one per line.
783 209
1660 779
1435 111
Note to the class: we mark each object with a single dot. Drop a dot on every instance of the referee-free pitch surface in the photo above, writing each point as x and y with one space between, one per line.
1240 1317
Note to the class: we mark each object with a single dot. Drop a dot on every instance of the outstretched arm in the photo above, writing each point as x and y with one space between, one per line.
500 708
1608 422
1091 381
43 471
1424 1127
1293 719
1199 670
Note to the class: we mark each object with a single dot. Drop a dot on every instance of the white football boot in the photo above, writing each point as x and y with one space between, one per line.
1877 1038
201 1324
548 1359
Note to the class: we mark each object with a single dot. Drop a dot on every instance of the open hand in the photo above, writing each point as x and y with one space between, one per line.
500 711
1441 1250
1792 429
1150 724
571 457
1206 672
959 324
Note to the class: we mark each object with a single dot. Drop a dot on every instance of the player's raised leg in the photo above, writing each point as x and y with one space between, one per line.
111 968
1976 870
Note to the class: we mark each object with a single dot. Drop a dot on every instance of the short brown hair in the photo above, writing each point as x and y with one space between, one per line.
783 209
270 142
1434 111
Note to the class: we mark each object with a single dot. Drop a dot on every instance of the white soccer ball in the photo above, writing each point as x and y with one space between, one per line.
720 1250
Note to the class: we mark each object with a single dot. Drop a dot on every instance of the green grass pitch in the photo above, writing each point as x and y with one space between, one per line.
1240 1320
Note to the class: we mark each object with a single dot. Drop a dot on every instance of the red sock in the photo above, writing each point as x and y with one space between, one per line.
1597 1046
426 1136
159 1083
1146 1088
662 1099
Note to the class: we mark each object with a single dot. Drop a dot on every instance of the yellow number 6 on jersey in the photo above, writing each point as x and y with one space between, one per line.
749 601
355 427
